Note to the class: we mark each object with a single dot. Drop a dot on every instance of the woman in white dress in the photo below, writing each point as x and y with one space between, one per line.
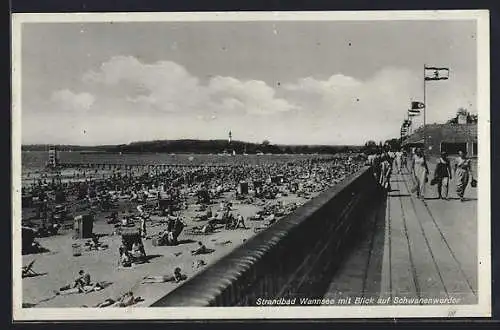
420 172
462 173
398 160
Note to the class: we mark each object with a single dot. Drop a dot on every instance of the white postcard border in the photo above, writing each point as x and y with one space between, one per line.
482 309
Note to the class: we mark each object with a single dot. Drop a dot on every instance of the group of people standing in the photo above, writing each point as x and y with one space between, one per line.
443 174
384 163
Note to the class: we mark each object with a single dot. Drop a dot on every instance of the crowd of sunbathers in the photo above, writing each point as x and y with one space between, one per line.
84 284
266 182
174 183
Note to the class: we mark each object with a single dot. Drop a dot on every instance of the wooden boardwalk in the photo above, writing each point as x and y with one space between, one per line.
414 249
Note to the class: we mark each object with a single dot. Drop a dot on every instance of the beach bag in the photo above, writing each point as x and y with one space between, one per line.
473 183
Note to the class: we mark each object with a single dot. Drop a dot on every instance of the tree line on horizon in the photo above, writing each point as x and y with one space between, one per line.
202 146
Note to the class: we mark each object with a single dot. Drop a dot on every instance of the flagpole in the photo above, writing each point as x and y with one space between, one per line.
425 110
401 132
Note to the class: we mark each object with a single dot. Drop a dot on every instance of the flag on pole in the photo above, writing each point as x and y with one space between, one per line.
417 105
435 73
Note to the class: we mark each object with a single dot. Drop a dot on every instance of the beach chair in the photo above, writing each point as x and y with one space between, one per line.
28 270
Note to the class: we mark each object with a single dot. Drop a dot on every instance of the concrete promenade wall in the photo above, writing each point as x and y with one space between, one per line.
296 257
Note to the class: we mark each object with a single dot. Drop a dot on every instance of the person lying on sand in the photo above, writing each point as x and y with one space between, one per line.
177 277
197 264
202 249
125 300
82 284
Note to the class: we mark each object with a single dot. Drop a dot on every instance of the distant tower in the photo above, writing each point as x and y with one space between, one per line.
52 157
230 136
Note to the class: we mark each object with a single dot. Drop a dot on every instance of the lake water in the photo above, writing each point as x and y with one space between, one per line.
35 160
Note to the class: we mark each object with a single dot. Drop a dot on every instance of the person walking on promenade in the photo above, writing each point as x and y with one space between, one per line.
409 159
385 171
420 172
377 161
442 176
398 160
372 162
404 159
462 173
391 154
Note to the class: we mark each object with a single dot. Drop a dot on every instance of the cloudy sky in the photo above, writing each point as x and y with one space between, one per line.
288 82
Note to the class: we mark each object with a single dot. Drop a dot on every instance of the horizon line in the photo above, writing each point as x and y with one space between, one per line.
187 139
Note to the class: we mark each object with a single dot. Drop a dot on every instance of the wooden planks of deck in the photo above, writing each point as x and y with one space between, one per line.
414 249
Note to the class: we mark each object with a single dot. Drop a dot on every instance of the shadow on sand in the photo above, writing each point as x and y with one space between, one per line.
206 251
186 241
152 256
35 275
37 250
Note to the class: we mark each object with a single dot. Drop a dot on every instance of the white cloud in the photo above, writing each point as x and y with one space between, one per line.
253 96
343 108
162 100
70 101
334 84
386 94
206 118
169 87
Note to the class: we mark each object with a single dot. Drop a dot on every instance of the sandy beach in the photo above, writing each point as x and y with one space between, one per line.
58 267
